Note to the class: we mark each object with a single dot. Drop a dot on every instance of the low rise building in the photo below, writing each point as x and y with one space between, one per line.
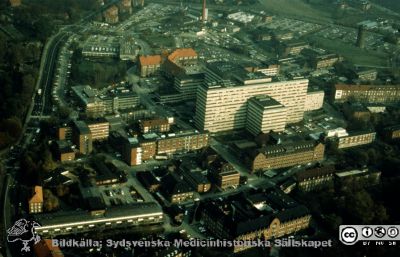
381 94
185 141
96 105
64 132
155 125
129 49
63 151
362 176
35 203
108 174
355 139
367 75
285 155
88 101
149 181
315 178
150 64
392 133
119 98
79 221
268 216
325 61
193 175
269 69
175 189
223 174
293 48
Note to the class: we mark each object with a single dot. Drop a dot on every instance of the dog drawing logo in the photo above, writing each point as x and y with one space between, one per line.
23 231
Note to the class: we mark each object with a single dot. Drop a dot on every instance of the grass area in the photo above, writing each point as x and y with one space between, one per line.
352 53
296 8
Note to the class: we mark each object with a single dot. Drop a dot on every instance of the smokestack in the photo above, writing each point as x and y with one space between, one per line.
204 11
361 37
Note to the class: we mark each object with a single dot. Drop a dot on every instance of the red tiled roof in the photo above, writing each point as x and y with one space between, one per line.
38 195
182 52
150 60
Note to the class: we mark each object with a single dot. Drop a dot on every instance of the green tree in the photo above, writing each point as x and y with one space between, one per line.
360 207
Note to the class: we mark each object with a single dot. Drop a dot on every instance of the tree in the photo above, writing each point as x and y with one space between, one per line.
48 163
380 213
62 190
28 86
334 221
359 207
51 202
13 127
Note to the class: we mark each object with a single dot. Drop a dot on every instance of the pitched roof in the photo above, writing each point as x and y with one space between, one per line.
175 185
150 60
37 196
315 172
154 122
182 52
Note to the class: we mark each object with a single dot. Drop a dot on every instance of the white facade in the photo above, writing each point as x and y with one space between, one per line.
314 101
221 108
265 114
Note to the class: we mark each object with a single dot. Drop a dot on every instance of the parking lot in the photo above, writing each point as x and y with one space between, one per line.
119 195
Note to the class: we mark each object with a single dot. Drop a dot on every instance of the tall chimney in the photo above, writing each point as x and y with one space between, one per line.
204 11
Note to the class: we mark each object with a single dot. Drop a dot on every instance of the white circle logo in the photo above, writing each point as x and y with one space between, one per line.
349 235
380 232
392 232
367 232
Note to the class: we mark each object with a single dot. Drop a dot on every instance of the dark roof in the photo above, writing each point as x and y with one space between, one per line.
95 203
103 172
173 184
239 216
293 213
196 176
82 127
315 172
65 217
393 128
286 148
147 178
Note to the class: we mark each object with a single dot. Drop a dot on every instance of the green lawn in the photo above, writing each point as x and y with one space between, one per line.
352 53
296 8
